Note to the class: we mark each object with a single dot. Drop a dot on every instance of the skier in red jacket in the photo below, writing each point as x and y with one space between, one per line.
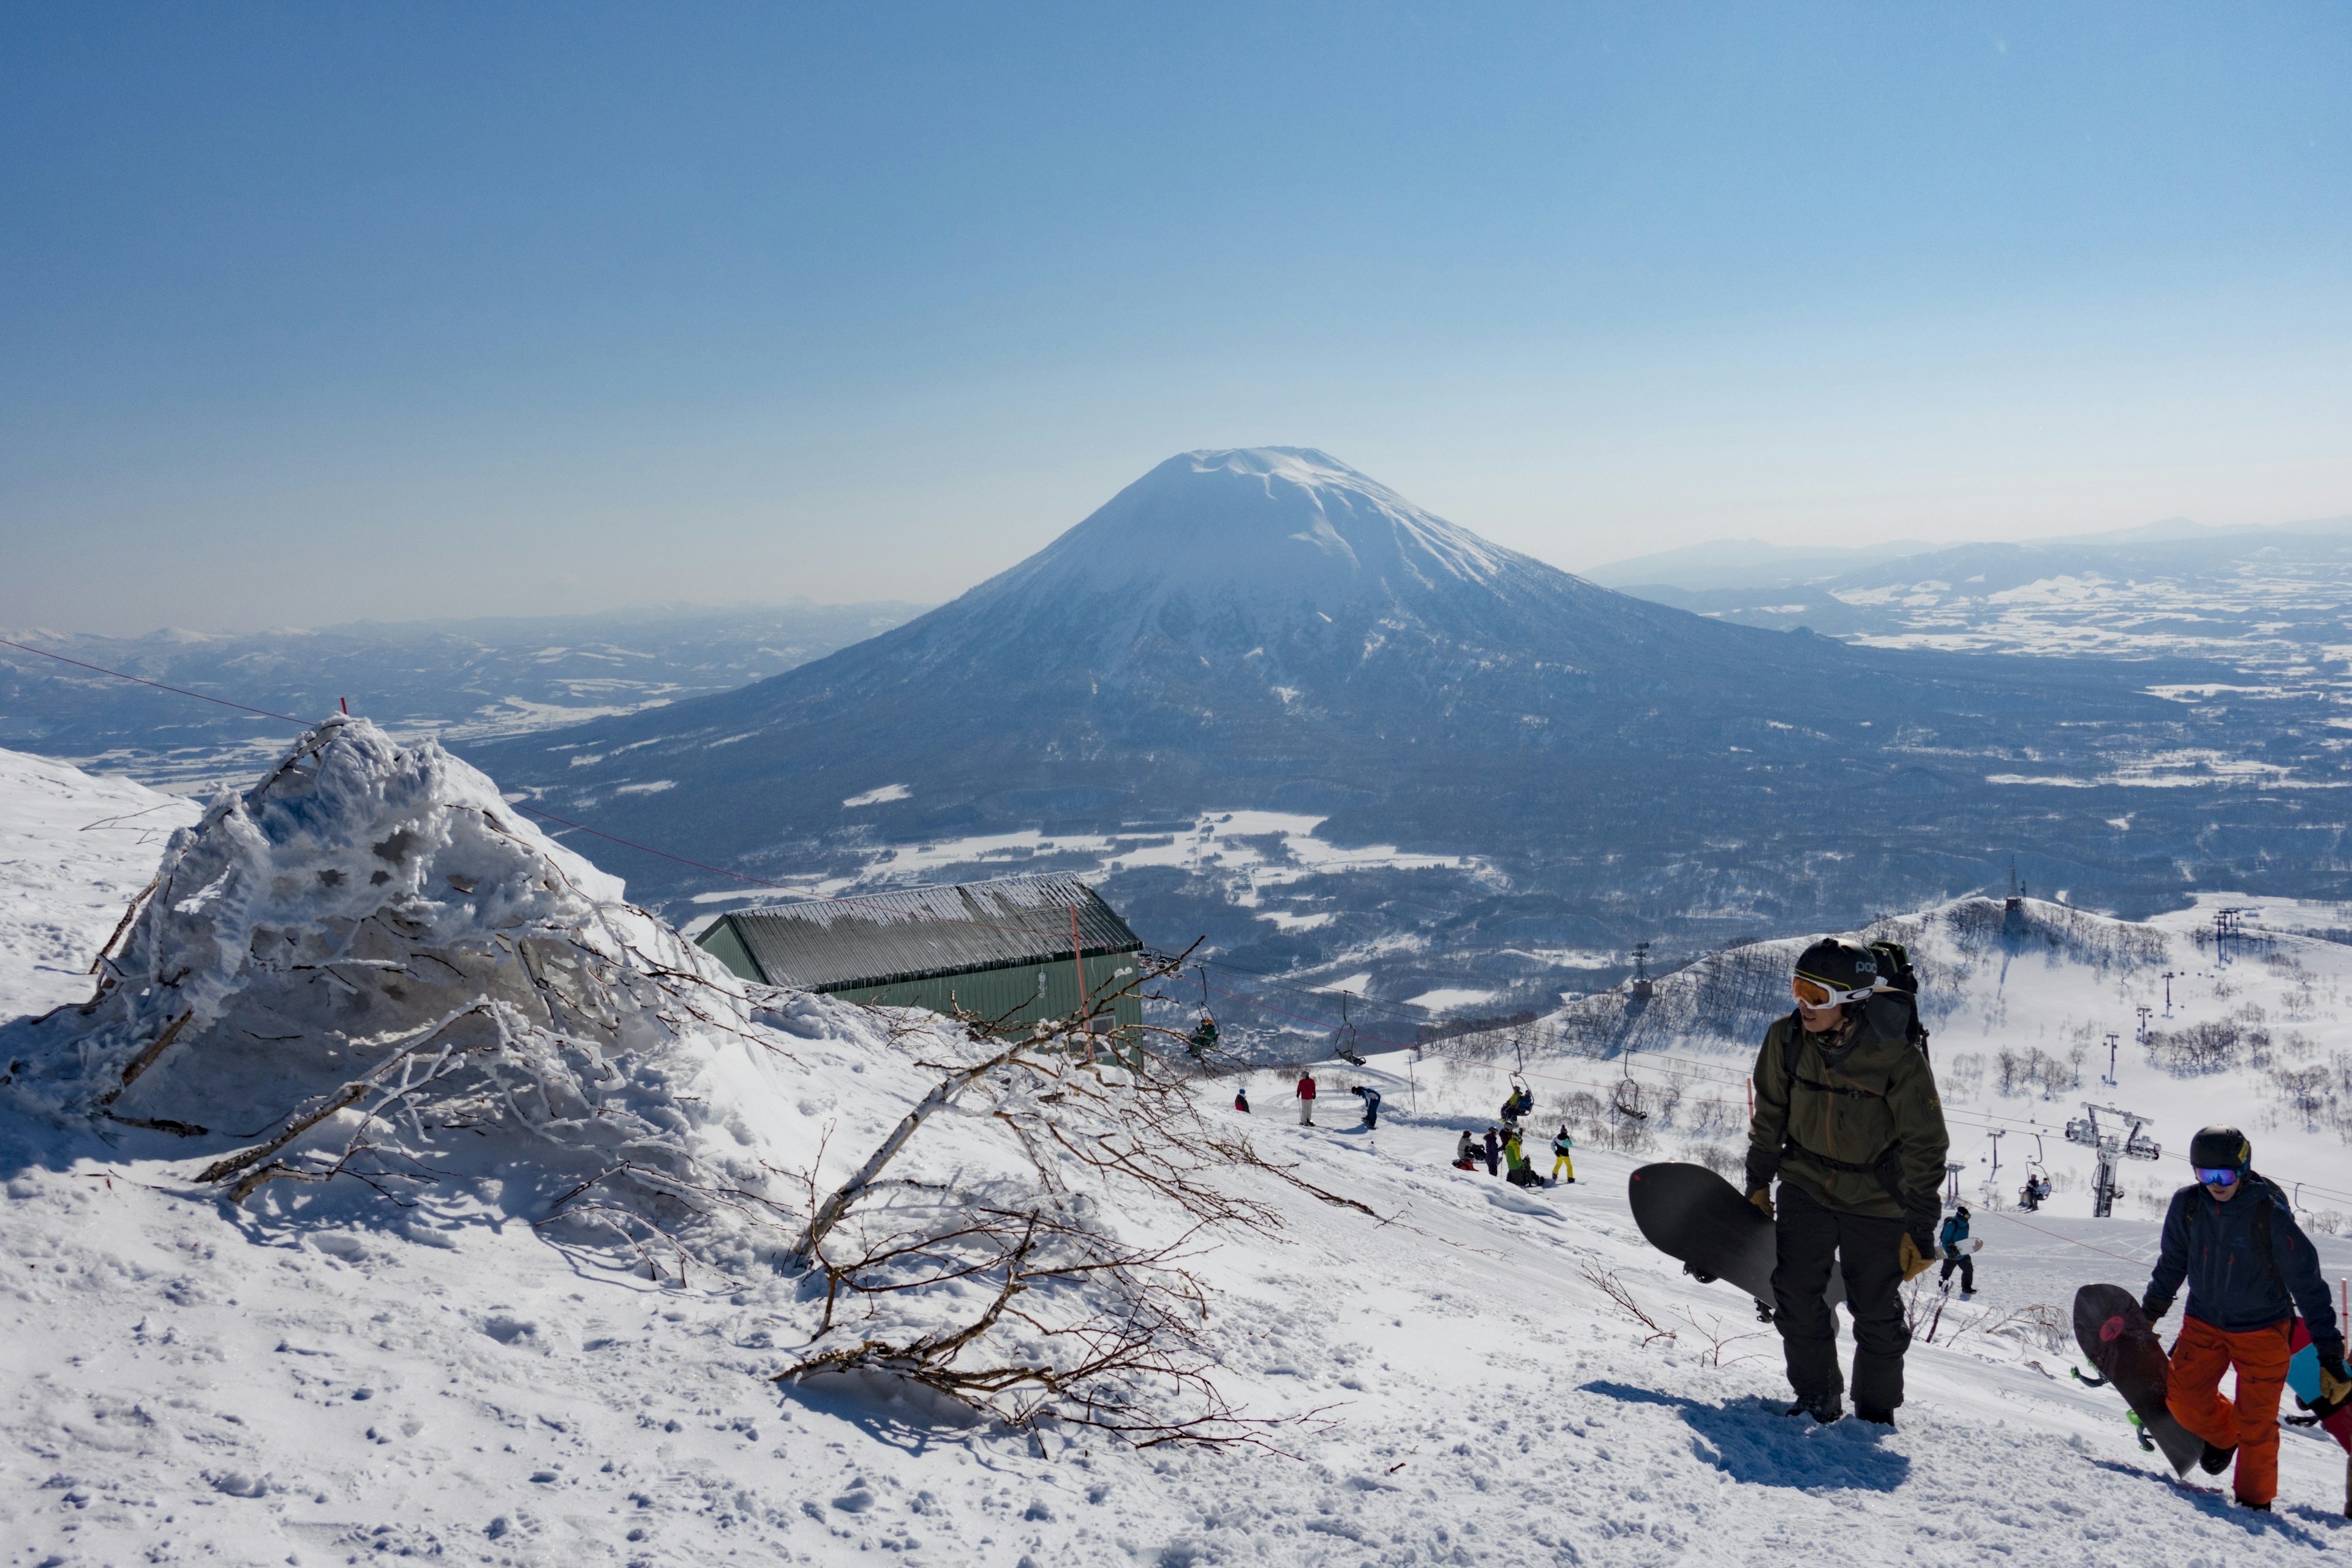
1306 1098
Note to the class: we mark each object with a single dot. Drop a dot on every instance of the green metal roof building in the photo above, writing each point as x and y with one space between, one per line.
1008 950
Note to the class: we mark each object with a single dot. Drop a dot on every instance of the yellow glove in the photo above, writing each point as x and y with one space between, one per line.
2334 1388
1762 1198
1915 1265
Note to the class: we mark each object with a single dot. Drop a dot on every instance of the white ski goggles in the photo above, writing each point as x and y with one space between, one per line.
1812 992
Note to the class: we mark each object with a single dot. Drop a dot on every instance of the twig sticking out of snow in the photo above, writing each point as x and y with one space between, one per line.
1605 1280
1076 1323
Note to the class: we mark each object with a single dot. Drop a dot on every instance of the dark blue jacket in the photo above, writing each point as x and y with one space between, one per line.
2218 1248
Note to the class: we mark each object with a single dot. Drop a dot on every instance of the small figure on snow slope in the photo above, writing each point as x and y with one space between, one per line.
1494 1150
1371 1098
1522 1172
2233 1237
1466 1151
1563 1149
1240 1099
1848 1120
1952 1239
1306 1098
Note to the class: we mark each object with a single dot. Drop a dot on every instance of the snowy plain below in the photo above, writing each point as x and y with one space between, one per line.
192 1381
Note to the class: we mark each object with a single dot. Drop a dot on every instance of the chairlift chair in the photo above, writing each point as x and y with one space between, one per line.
1343 1038
1627 1101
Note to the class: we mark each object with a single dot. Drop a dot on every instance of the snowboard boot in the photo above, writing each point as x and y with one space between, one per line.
2257 1507
1876 1415
2215 1460
1825 1409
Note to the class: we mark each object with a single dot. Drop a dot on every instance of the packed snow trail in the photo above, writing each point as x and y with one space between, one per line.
344 1378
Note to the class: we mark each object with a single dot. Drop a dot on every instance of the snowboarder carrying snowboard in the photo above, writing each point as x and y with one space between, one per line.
1954 1234
2233 1237
1563 1148
1848 1120
1371 1098
1306 1098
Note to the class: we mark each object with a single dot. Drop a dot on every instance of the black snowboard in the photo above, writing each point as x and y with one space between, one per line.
1690 1213
2118 1339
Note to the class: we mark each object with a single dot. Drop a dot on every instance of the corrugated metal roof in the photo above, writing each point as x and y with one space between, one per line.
920 933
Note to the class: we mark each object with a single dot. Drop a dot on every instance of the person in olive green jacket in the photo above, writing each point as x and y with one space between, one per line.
1848 1120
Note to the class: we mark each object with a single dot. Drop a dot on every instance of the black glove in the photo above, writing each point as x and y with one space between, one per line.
2155 1306
1922 1212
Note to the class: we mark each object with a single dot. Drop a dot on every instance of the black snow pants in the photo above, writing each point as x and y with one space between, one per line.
1968 1268
1812 1237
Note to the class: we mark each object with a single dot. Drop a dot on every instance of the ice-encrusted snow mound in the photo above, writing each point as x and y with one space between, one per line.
368 965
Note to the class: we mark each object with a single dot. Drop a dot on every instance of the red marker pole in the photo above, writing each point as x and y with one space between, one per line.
1085 1010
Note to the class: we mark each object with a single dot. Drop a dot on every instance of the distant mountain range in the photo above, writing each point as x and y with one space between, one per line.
2268 603
1533 770
460 680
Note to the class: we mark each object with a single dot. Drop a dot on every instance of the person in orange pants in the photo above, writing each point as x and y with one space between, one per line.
2231 1237
2248 1420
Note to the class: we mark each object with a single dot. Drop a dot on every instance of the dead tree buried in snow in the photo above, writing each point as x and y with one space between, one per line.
1016 1289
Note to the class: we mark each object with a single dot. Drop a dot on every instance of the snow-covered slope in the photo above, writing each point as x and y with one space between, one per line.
73 849
2257 1029
350 1371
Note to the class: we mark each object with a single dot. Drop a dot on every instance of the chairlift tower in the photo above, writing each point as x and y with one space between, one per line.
2143 1012
2110 1080
2111 1143
2225 926
2169 976
1642 970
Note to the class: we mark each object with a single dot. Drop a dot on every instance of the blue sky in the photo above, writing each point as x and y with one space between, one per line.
310 312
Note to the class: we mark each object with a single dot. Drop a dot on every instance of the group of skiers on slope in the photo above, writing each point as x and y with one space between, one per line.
1849 1126
1503 1147
1304 1092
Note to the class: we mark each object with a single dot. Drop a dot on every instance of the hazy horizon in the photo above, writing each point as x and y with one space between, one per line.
317 316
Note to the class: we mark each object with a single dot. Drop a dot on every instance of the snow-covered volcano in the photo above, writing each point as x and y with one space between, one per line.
1268 630
1271 532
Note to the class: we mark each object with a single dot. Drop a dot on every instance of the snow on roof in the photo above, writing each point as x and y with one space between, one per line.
921 933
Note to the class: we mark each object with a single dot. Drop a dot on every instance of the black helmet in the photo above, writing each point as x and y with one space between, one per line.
1960 1208
1847 970
2221 1148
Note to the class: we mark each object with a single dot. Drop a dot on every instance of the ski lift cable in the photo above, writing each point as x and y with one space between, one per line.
519 805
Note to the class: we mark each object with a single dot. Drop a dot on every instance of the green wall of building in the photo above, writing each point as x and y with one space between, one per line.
1019 996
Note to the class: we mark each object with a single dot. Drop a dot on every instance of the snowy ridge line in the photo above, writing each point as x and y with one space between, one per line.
142 680
581 827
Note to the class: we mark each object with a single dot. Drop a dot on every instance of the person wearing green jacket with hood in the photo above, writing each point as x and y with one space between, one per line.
1848 1120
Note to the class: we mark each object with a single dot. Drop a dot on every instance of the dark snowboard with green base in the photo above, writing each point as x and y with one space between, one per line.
2118 1339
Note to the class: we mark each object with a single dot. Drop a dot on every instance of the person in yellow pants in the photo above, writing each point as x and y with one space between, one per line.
1562 1146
